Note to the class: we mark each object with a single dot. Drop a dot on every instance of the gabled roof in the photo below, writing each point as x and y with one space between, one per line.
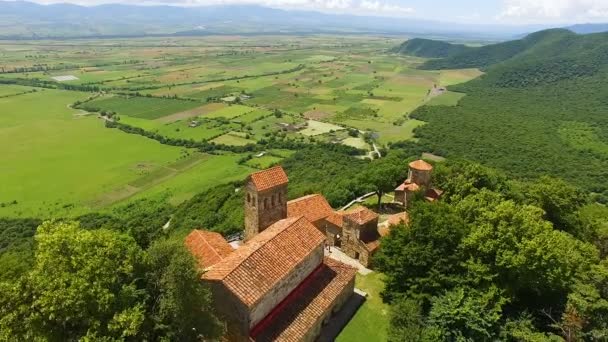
336 218
297 314
433 194
257 266
421 165
407 185
207 247
361 215
313 207
269 178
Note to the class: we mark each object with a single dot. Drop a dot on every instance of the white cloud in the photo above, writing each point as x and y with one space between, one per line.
554 11
359 7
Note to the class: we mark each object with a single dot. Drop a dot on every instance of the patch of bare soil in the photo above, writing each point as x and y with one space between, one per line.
316 114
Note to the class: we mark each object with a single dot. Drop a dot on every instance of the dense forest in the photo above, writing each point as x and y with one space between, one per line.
498 259
539 112
430 48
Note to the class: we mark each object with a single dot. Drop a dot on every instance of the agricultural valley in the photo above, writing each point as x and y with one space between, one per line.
223 91
235 172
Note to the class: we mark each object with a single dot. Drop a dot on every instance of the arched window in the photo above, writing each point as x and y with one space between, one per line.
265 203
248 198
280 198
253 200
272 201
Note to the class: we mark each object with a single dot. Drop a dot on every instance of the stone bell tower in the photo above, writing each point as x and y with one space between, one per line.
265 200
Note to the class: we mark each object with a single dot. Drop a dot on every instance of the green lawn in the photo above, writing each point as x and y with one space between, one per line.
54 162
141 107
370 323
233 139
318 127
230 112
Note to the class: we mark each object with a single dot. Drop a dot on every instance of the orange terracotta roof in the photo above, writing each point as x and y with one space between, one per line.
336 218
207 247
421 165
257 266
294 317
408 186
269 178
361 215
433 194
372 245
313 207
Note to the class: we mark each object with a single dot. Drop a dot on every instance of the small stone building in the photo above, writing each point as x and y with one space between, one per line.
418 180
360 234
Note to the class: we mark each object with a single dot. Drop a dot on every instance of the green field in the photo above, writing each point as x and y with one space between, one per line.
140 107
370 323
58 160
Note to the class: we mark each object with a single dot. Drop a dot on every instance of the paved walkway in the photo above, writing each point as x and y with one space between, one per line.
337 254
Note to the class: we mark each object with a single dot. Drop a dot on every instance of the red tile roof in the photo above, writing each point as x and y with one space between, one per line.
257 266
371 246
294 317
269 178
421 165
361 215
313 207
408 186
433 194
336 218
207 247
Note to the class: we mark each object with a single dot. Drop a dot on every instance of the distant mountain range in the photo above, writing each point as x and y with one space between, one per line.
20 19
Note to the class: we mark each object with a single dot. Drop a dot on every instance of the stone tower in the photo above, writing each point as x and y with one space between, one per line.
420 173
265 200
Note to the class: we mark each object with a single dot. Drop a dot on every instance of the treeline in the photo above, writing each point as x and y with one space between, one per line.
205 146
497 259
520 115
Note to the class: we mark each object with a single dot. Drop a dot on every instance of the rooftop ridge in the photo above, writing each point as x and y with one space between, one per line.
256 243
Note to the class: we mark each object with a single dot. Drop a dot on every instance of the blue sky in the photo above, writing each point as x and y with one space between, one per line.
465 11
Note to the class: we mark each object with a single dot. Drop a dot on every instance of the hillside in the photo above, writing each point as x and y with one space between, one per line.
428 48
539 109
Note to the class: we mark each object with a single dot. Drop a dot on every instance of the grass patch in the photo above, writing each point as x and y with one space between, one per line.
318 127
233 139
370 323
140 107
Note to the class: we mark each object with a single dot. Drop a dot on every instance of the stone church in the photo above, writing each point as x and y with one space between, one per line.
278 285
418 181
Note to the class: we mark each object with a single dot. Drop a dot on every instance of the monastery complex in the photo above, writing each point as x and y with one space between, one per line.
279 285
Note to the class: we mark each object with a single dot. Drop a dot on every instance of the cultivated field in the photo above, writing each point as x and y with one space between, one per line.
228 91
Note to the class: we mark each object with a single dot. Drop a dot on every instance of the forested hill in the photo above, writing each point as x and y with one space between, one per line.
430 48
539 109
534 45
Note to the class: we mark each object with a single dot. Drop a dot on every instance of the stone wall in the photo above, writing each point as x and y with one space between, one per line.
266 304
422 178
231 310
262 209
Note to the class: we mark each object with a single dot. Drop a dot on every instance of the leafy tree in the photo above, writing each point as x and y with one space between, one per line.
407 321
82 285
384 174
466 314
419 261
180 306
560 201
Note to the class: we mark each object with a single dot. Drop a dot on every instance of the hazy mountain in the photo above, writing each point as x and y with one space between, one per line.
588 28
26 20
